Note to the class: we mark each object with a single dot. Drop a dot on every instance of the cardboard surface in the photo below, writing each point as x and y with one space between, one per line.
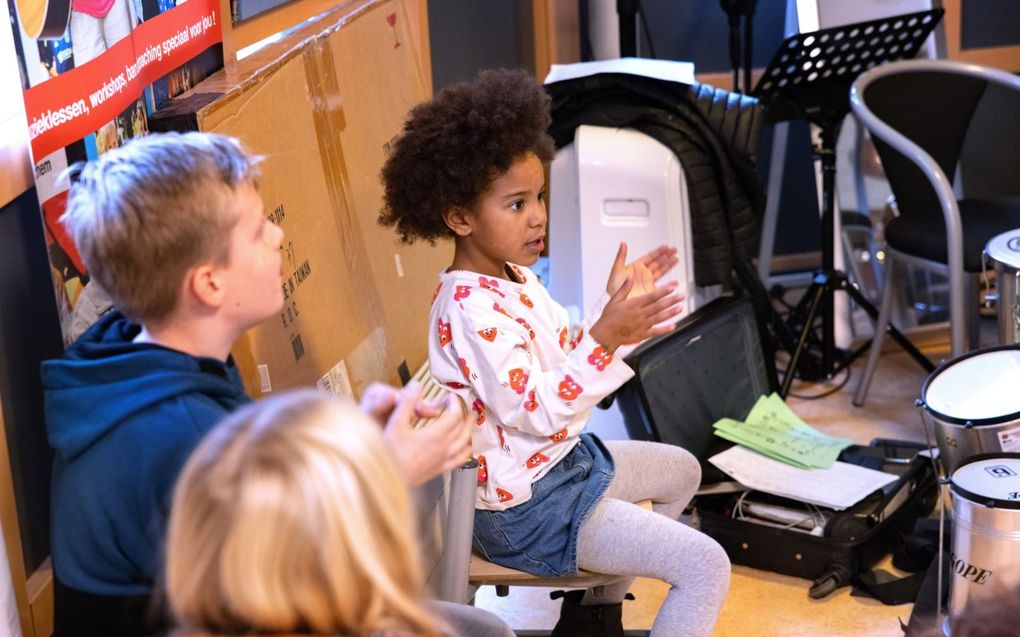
323 319
322 105
376 99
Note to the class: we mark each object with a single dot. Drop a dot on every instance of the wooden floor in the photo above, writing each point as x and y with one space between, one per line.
762 603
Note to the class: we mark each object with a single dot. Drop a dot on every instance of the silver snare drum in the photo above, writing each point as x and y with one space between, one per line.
1004 252
974 401
986 528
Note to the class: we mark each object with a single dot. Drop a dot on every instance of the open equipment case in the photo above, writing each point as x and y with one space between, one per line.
715 365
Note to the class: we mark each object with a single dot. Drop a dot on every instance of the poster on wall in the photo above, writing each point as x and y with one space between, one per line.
91 72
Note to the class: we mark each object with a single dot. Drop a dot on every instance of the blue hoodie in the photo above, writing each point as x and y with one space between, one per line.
123 418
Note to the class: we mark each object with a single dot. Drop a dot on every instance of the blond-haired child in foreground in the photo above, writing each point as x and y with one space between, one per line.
291 517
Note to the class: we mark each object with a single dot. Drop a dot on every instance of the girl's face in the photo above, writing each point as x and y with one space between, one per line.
507 223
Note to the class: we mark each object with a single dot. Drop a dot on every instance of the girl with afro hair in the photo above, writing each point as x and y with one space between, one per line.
551 499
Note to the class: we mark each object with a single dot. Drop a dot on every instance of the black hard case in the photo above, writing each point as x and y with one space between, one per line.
854 540
713 365
716 364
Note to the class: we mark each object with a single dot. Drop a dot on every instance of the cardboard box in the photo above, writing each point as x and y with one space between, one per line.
322 105
376 99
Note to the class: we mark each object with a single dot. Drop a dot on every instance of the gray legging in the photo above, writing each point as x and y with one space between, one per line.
622 538
468 621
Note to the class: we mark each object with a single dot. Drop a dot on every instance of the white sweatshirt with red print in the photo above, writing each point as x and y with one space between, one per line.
507 350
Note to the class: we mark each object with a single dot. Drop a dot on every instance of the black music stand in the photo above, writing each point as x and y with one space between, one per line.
809 78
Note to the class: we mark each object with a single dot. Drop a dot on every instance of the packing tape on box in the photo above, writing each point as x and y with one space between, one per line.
368 359
328 114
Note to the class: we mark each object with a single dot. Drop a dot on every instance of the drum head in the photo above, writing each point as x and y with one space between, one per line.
1005 248
989 479
982 387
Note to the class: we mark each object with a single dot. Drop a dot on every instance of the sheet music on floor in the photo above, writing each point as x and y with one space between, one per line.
771 428
838 487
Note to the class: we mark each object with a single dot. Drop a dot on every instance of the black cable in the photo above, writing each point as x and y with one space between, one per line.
748 52
828 392
735 11
587 51
734 22
627 12
647 32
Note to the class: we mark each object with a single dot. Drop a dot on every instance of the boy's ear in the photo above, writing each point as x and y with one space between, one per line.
205 285
458 220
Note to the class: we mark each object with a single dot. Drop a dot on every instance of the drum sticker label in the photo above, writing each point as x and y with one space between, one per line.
1014 495
969 571
1009 439
1000 471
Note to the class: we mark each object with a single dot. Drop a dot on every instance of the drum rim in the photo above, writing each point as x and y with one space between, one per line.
976 498
1005 237
976 422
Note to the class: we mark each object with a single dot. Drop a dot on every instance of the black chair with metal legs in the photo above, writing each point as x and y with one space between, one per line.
918 113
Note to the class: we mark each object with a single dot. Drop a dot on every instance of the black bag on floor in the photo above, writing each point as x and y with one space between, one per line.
716 364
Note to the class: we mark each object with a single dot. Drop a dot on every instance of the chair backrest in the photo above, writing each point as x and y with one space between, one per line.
931 103
918 112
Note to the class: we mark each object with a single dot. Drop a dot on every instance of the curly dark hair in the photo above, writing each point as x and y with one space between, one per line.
454 145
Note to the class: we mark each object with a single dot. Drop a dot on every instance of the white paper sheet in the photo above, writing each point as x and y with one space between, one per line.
838 487
668 70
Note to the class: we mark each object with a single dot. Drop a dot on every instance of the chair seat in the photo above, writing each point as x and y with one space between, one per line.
982 220
483 572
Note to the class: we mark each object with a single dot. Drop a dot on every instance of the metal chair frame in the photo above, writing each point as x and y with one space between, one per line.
460 571
943 188
464 571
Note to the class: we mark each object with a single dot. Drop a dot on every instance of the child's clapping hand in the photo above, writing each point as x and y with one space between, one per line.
637 307
629 318
655 264
424 452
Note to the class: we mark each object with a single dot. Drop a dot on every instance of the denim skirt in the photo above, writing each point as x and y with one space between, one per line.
540 535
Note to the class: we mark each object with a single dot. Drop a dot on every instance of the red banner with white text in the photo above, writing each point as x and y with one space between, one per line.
68 107
92 72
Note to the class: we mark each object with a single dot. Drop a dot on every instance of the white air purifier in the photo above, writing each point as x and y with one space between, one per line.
612 185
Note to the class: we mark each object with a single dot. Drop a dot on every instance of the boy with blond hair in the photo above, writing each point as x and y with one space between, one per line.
173 227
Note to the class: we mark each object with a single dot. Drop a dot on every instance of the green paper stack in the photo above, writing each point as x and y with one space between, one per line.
773 430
